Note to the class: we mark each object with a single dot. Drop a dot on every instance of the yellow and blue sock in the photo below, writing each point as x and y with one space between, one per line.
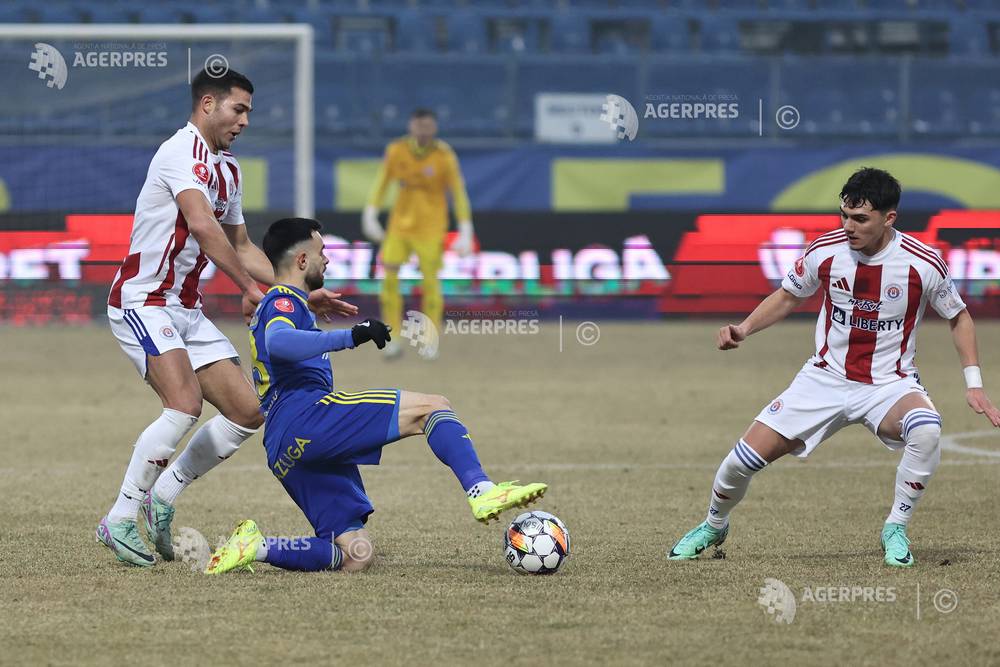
451 443
302 554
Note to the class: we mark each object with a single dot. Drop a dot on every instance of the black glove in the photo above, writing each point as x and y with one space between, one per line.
371 330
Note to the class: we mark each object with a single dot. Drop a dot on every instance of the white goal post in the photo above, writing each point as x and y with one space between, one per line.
299 33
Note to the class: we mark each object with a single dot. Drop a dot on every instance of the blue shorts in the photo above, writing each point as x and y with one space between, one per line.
315 445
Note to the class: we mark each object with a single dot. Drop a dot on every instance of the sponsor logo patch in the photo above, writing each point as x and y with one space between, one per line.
867 305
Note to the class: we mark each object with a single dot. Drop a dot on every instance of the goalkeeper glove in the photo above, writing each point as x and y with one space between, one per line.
463 244
371 330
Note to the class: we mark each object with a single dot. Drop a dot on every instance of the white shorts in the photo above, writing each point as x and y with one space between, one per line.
158 329
818 403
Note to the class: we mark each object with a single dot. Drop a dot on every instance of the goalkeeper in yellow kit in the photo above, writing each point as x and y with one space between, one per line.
426 169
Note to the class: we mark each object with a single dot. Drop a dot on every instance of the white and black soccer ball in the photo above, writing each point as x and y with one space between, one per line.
536 543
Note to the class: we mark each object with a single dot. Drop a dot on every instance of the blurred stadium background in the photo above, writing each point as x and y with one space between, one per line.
694 216
569 216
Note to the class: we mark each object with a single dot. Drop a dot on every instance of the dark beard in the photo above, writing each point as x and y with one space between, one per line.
314 281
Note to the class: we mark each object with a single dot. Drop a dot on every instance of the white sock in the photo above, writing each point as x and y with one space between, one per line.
213 443
261 552
732 481
921 431
479 488
152 450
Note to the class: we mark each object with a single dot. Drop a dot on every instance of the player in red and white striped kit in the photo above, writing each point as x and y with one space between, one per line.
876 284
188 212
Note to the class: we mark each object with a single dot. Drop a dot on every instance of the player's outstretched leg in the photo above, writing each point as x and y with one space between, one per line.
301 554
920 429
223 385
171 376
451 443
732 481
149 457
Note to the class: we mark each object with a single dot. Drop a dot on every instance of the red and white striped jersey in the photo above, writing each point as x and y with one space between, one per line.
165 262
866 331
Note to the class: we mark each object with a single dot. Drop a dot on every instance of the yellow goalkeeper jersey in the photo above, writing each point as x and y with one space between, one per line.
425 176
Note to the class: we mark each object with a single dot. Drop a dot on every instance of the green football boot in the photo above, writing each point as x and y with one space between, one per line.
697 540
896 545
124 541
158 516
239 551
504 496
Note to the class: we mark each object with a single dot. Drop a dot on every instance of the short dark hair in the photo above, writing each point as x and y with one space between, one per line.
423 112
876 186
285 234
218 86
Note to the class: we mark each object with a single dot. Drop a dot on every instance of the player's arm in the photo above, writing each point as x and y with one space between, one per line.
253 258
370 226
776 307
205 229
963 333
460 202
287 343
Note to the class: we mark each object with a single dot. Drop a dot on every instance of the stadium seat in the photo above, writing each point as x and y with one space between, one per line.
159 14
834 100
718 35
466 32
670 33
569 33
107 14
968 37
414 32
446 85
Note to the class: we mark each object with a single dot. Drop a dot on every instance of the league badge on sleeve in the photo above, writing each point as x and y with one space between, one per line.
284 304
200 171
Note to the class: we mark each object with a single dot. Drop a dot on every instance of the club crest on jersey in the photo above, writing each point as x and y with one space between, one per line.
200 171
775 407
284 304
893 292
167 332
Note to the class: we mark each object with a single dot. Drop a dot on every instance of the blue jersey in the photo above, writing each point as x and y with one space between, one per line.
279 379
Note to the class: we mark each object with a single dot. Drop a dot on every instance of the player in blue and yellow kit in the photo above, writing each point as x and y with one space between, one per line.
317 437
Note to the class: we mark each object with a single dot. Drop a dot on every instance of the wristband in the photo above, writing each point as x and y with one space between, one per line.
973 377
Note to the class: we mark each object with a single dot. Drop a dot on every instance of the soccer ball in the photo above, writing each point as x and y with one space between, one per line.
536 543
